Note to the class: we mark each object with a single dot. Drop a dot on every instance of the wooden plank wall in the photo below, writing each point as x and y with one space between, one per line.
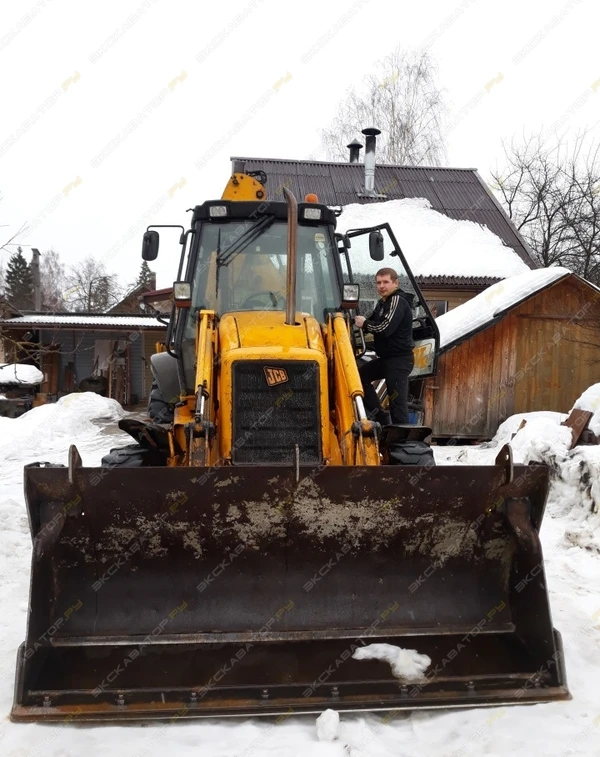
473 385
535 358
558 347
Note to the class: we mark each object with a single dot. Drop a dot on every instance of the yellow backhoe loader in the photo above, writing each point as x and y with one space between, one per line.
269 528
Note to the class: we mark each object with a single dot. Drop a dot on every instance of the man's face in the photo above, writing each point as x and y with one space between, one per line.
385 285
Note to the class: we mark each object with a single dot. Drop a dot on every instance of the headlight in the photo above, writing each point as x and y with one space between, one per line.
350 296
351 293
217 211
313 214
182 291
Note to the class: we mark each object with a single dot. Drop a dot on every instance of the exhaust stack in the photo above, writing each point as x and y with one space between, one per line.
355 147
371 139
290 287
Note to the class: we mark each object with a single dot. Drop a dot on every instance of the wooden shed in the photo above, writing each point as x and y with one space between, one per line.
538 350
71 347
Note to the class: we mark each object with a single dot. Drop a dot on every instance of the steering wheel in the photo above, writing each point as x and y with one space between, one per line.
255 298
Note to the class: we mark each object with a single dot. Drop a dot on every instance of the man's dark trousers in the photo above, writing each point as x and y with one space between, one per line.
395 371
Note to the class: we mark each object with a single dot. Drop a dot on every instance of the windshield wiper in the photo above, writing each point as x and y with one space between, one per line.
251 233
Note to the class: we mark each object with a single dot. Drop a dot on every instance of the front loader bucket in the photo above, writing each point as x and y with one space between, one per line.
190 592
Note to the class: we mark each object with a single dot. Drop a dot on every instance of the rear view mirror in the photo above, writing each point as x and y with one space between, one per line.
150 245
376 246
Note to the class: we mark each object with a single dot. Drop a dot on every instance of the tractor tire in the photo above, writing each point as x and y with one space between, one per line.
132 456
159 410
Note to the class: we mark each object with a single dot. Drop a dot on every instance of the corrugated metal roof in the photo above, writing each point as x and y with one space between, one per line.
459 193
73 319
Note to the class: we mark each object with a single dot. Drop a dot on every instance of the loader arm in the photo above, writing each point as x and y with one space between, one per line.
356 433
194 426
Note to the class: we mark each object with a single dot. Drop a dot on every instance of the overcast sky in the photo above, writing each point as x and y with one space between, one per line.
121 113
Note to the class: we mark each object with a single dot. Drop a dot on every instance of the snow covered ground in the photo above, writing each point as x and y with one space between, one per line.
571 539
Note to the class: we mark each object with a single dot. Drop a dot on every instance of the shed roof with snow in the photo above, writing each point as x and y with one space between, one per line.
92 320
71 347
490 306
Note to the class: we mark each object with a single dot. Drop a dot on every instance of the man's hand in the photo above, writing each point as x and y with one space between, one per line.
359 320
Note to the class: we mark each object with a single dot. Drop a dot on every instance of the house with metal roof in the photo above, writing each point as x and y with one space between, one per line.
458 193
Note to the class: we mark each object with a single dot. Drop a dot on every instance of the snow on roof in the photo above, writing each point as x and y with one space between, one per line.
13 373
73 319
433 243
483 309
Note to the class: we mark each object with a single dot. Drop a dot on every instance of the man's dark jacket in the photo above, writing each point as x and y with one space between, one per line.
391 325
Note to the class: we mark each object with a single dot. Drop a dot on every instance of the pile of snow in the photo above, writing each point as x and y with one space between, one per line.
590 400
535 437
492 302
574 495
508 429
433 244
91 406
51 424
407 664
12 373
540 438
328 725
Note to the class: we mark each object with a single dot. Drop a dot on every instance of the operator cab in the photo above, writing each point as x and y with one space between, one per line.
234 258
239 260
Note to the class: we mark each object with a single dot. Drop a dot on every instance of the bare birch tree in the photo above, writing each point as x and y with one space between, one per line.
551 192
53 282
90 288
402 98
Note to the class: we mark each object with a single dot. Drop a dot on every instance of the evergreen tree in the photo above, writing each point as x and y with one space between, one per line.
19 282
145 276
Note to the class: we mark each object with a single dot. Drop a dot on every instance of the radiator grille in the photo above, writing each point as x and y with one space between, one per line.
275 407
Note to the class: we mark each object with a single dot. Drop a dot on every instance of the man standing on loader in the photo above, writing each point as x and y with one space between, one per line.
391 325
